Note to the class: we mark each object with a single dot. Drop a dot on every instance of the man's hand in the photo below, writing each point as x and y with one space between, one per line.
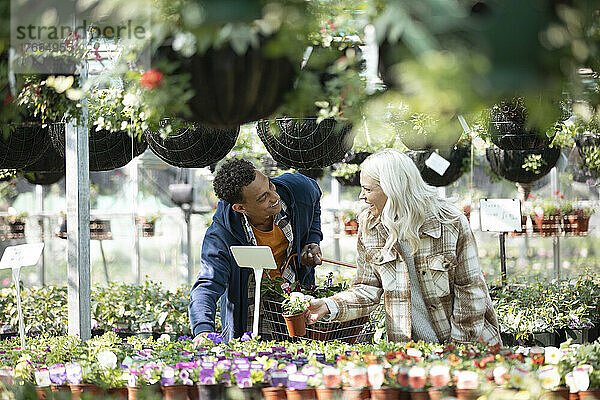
315 310
201 339
311 255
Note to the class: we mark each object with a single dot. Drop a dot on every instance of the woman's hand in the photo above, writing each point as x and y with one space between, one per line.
315 310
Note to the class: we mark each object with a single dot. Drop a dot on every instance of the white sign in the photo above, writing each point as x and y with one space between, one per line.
437 163
500 215
22 255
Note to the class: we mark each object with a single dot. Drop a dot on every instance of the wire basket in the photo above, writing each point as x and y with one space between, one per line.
360 330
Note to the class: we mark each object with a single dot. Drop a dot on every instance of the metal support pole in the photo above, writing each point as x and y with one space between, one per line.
135 261
503 258
188 224
555 240
78 225
39 200
335 194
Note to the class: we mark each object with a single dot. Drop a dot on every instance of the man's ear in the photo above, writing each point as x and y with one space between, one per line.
239 208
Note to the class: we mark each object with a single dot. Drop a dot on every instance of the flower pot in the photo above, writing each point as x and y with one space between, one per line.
211 391
25 145
195 147
467 394
193 393
274 393
296 324
328 393
43 392
509 163
547 225
118 393
507 127
441 393
60 389
16 230
569 223
301 143
86 390
544 339
148 229
247 393
355 394
351 227
454 171
301 394
107 150
385 393
175 392
583 223
578 336
593 394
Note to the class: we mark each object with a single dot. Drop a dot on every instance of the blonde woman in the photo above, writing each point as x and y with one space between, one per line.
418 251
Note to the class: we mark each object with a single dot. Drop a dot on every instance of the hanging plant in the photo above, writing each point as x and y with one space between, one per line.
43 178
348 172
24 145
304 143
193 145
513 165
458 157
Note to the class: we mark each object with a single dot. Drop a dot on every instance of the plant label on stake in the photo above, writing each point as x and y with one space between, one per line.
16 257
258 258
437 163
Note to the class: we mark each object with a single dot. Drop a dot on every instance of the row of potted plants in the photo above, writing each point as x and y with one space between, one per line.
556 215
302 370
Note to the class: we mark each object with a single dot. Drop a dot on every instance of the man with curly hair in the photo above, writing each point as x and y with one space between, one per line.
283 213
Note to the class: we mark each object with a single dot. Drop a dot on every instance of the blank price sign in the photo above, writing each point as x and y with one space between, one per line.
500 215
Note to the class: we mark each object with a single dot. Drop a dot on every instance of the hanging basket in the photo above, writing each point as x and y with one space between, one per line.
507 127
509 163
43 178
301 143
195 147
356 159
232 89
51 162
25 145
108 150
586 140
454 171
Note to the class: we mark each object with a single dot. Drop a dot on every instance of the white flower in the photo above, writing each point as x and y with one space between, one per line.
185 43
131 100
74 94
549 377
296 297
581 379
376 376
107 359
165 337
124 125
552 355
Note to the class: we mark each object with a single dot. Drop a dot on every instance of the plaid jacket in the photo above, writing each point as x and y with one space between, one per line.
452 284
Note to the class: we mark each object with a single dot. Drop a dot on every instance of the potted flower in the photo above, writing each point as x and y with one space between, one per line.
16 224
581 221
350 220
293 313
148 223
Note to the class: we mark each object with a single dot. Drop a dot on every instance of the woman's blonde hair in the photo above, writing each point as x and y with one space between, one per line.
409 197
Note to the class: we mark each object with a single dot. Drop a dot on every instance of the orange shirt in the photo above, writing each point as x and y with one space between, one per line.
278 243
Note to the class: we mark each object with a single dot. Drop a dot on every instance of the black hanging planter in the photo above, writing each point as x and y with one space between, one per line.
51 162
233 89
356 159
509 163
43 178
507 127
586 140
108 150
314 173
455 156
25 145
195 147
301 143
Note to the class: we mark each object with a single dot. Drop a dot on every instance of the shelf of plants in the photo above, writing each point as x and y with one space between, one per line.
252 368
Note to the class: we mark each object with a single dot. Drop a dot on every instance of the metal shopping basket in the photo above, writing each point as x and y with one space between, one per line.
360 330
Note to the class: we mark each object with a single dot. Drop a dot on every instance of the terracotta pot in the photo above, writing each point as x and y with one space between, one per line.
560 394
328 393
593 394
90 390
441 393
43 392
274 393
547 225
143 392
296 324
583 224
355 394
467 394
211 391
60 388
193 393
385 393
148 229
118 393
175 392
247 393
301 394
350 227
419 396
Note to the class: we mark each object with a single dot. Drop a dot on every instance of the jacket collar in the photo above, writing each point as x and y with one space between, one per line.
431 226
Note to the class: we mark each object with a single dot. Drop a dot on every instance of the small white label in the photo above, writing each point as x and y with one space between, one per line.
21 256
437 163
500 215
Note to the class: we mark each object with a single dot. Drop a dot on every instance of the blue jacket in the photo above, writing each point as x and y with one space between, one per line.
221 277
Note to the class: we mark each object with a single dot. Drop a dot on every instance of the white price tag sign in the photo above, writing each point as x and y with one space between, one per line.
500 215
437 163
22 255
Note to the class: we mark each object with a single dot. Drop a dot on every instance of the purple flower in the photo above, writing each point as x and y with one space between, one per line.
215 337
184 337
246 337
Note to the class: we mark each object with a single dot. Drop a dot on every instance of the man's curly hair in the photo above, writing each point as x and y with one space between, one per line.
231 178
